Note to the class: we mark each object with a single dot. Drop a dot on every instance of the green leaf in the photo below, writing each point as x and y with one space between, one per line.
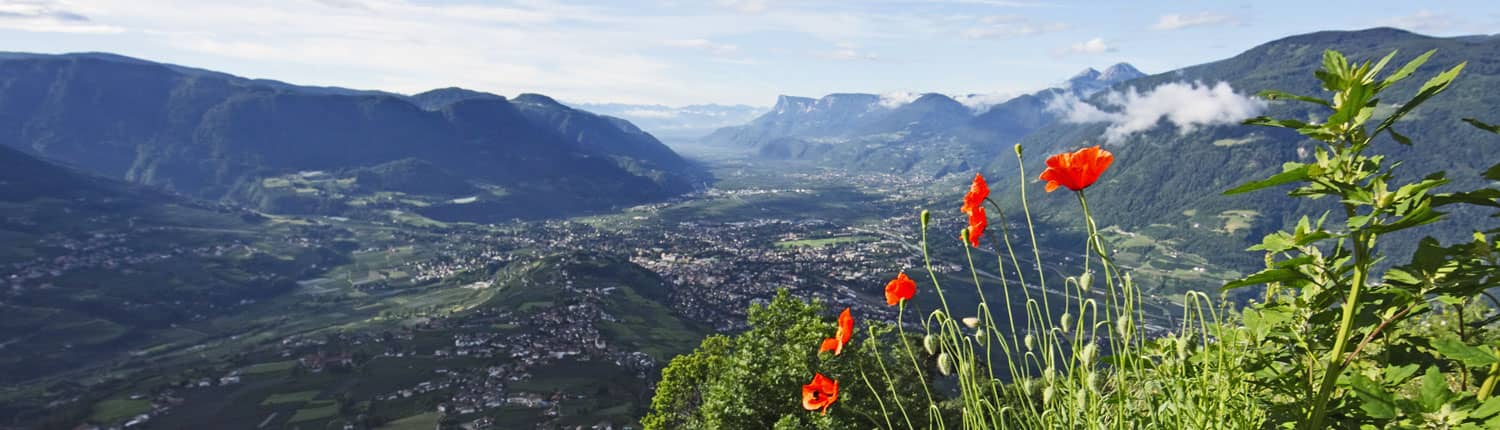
1400 138
1433 86
1493 173
1291 172
1406 70
1483 126
1482 197
1469 355
1399 374
1375 400
1275 242
1272 122
1434 392
1489 408
1381 65
1264 277
1283 95
1422 214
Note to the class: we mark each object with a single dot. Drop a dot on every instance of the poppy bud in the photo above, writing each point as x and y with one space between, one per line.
1067 321
926 216
929 342
1123 326
1030 340
1018 150
1086 356
945 364
971 322
1085 280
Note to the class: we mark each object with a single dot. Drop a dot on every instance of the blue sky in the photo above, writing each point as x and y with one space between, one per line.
707 51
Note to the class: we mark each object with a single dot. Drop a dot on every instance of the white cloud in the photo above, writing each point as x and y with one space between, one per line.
980 103
1092 46
746 6
1009 26
1185 105
704 45
49 17
1425 21
897 99
845 51
1175 21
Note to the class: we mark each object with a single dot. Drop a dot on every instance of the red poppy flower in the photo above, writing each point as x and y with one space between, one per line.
1076 170
842 337
977 222
978 191
900 289
820 393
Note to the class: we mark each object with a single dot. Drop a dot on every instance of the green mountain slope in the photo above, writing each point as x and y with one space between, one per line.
89 265
209 135
1169 182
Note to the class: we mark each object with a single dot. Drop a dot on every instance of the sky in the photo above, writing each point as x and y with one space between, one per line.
679 52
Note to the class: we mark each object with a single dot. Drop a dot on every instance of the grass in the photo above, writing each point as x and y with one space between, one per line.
319 410
424 421
295 397
819 243
1236 220
272 367
116 410
1236 142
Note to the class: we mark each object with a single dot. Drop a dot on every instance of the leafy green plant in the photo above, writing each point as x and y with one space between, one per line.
1341 337
1326 304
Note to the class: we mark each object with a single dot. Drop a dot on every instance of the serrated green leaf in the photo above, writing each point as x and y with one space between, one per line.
1469 355
1374 399
1434 392
1431 88
1381 64
1406 70
1291 172
1264 277
1399 374
1487 409
1283 95
1275 242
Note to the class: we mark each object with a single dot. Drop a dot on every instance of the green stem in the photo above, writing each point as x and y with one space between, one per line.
884 414
1336 356
891 382
1489 383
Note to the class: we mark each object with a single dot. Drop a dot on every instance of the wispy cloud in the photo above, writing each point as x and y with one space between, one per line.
980 103
1183 104
1426 21
1176 21
48 17
746 6
845 51
1091 46
1008 26
704 45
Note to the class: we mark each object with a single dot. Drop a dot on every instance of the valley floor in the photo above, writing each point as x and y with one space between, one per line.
536 323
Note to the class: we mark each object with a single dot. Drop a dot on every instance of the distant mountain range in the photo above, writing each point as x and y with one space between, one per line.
212 135
932 134
677 123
